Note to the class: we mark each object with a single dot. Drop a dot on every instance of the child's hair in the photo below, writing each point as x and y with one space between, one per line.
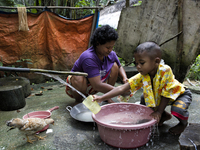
103 34
152 48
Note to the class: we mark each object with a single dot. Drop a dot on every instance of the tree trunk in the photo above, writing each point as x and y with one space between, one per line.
190 138
13 91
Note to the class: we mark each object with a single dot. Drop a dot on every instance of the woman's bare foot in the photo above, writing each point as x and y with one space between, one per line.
177 129
110 101
165 116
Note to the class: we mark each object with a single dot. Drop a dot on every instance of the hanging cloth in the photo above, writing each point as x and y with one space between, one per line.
22 15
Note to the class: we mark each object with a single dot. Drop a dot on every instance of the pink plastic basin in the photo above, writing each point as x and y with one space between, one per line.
124 125
41 114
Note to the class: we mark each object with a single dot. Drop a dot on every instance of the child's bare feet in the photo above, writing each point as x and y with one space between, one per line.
178 129
165 116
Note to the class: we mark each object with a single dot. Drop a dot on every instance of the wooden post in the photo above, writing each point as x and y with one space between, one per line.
70 13
179 47
56 2
127 3
94 21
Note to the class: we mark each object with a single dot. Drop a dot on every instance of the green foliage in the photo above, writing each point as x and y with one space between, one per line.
20 64
138 3
124 63
51 80
83 12
121 61
64 12
194 73
1 62
82 3
7 2
22 61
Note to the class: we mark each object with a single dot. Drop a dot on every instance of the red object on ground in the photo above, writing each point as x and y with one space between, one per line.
41 114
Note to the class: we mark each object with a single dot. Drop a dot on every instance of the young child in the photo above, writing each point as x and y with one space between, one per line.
160 88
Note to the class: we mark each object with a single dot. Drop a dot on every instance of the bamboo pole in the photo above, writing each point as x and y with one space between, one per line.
42 70
53 7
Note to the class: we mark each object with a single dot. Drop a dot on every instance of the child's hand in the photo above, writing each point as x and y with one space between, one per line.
156 115
125 80
97 98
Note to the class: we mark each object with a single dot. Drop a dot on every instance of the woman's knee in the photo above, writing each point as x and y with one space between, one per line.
79 82
115 69
113 74
115 66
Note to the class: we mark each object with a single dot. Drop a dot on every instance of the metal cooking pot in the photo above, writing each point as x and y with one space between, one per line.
80 112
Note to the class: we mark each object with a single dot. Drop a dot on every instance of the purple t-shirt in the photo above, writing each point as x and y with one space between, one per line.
90 63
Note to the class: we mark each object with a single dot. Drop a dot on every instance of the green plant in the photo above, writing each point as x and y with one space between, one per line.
1 62
124 63
83 12
22 61
138 3
194 73
20 64
51 80
121 61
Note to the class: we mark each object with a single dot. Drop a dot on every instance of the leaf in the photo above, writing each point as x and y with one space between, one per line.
138 3
28 59
29 63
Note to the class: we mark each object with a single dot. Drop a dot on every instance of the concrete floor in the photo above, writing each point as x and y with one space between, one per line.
70 134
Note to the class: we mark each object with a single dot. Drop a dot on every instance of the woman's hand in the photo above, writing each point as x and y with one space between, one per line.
99 100
156 115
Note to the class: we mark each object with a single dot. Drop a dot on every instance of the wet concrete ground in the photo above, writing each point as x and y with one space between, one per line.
70 134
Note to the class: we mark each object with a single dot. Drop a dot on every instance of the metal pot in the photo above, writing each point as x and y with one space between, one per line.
80 112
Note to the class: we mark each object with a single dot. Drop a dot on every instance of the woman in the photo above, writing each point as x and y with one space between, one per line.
101 64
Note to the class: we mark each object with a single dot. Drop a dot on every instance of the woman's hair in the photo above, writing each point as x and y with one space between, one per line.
152 48
103 35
